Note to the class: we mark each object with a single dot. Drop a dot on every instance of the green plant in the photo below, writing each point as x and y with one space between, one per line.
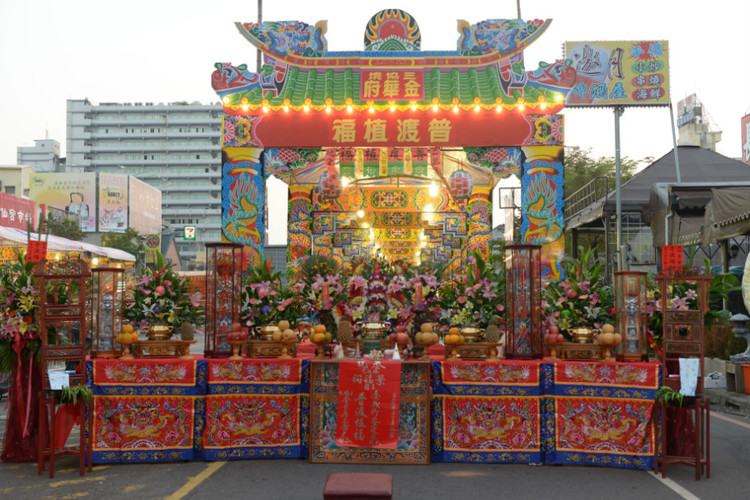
70 394
670 396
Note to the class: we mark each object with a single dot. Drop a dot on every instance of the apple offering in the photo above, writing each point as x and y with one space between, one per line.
236 332
553 336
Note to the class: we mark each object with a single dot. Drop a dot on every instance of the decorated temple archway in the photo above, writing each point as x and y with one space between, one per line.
393 150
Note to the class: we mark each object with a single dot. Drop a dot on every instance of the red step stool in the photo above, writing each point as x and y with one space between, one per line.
358 486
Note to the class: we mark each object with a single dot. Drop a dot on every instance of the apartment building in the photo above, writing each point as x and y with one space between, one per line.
175 147
43 156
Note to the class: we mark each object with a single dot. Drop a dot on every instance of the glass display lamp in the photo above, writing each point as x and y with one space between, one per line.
107 300
632 318
223 288
523 307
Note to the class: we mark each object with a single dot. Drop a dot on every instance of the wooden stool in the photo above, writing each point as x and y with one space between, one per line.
358 486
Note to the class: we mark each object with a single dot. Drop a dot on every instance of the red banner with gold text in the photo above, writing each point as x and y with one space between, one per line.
368 401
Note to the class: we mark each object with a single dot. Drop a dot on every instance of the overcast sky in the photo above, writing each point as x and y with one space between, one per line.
164 51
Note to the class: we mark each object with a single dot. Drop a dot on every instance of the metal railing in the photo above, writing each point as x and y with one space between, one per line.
595 189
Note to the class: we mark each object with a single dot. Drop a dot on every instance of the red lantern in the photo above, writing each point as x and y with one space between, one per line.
329 188
460 184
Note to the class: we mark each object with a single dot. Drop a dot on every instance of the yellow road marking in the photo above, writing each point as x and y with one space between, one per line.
74 481
134 487
195 481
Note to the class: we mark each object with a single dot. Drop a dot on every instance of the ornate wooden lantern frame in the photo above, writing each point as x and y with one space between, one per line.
224 263
683 329
523 306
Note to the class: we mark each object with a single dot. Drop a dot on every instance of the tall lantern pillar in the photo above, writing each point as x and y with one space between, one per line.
106 308
523 307
480 221
542 218
223 289
243 200
632 319
299 231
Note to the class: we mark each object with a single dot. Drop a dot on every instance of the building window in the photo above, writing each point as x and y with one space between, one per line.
10 189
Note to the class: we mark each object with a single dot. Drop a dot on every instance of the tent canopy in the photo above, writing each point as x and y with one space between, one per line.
57 243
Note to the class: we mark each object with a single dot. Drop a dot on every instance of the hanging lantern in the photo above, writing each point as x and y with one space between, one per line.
329 187
460 184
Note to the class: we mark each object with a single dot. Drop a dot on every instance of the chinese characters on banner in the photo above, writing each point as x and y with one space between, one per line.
16 212
619 73
392 85
36 250
671 258
368 403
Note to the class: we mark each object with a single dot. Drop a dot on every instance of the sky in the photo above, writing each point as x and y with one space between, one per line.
164 51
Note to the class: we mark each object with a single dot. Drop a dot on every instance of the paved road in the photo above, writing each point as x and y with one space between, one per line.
290 479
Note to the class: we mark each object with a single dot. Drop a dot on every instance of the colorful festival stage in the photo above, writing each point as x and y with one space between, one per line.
592 413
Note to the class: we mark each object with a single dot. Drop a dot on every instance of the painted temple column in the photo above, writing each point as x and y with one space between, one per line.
479 220
542 205
299 228
242 200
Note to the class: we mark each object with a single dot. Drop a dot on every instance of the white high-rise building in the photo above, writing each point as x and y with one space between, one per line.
44 156
175 147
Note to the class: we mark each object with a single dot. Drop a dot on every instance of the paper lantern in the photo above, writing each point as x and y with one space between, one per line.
329 188
460 184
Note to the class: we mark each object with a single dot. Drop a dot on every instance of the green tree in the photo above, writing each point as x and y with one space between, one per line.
65 227
129 241
580 169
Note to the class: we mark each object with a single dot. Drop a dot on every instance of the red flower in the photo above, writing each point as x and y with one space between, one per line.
27 320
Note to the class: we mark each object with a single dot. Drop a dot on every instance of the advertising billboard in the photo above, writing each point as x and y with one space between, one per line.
113 202
145 207
746 139
634 73
74 194
16 212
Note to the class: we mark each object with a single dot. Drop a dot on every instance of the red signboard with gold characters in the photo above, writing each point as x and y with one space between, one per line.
392 85
368 404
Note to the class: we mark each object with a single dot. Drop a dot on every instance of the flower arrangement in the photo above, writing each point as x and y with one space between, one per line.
322 284
19 332
265 300
476 297
161 297
581 297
